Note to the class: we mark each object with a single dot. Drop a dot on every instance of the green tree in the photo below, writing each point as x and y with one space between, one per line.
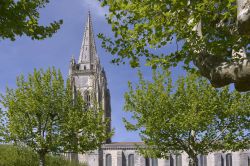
46 116
208 35
1 125
191 117
20 17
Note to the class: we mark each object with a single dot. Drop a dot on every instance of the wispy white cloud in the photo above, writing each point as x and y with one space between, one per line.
95 7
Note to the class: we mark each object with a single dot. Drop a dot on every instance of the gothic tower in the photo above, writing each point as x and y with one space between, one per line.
88 76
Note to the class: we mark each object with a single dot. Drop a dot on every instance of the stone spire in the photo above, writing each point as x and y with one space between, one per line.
88 53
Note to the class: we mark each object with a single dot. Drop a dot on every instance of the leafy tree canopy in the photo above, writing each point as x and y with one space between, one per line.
20 17
206 33
191 117
48 117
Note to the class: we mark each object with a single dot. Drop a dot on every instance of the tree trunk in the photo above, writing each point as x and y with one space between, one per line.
193 161
243 16
42 159
192 155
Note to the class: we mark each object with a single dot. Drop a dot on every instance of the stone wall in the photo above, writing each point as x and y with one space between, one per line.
120 155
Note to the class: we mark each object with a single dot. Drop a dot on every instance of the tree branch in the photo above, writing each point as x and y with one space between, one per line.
243 16
221 73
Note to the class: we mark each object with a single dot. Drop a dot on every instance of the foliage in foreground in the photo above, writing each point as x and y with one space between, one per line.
19 156
190 117
197 32
22 18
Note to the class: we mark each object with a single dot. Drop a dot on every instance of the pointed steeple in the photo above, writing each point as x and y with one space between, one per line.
88 53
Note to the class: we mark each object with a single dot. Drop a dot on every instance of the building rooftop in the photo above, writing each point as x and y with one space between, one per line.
122 145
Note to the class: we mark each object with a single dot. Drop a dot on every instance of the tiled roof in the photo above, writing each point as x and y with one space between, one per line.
122 145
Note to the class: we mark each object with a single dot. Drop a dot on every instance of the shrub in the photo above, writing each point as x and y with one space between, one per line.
21 156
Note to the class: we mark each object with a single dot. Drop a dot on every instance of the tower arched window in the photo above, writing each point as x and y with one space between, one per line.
108 160
87 98
229 159
131 160
154 162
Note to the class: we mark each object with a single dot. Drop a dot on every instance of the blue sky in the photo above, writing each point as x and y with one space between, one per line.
24 54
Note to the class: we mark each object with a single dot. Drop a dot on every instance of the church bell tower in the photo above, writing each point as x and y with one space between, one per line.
88 76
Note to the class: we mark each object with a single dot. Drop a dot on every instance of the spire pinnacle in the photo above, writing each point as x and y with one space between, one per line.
72 61
88 53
